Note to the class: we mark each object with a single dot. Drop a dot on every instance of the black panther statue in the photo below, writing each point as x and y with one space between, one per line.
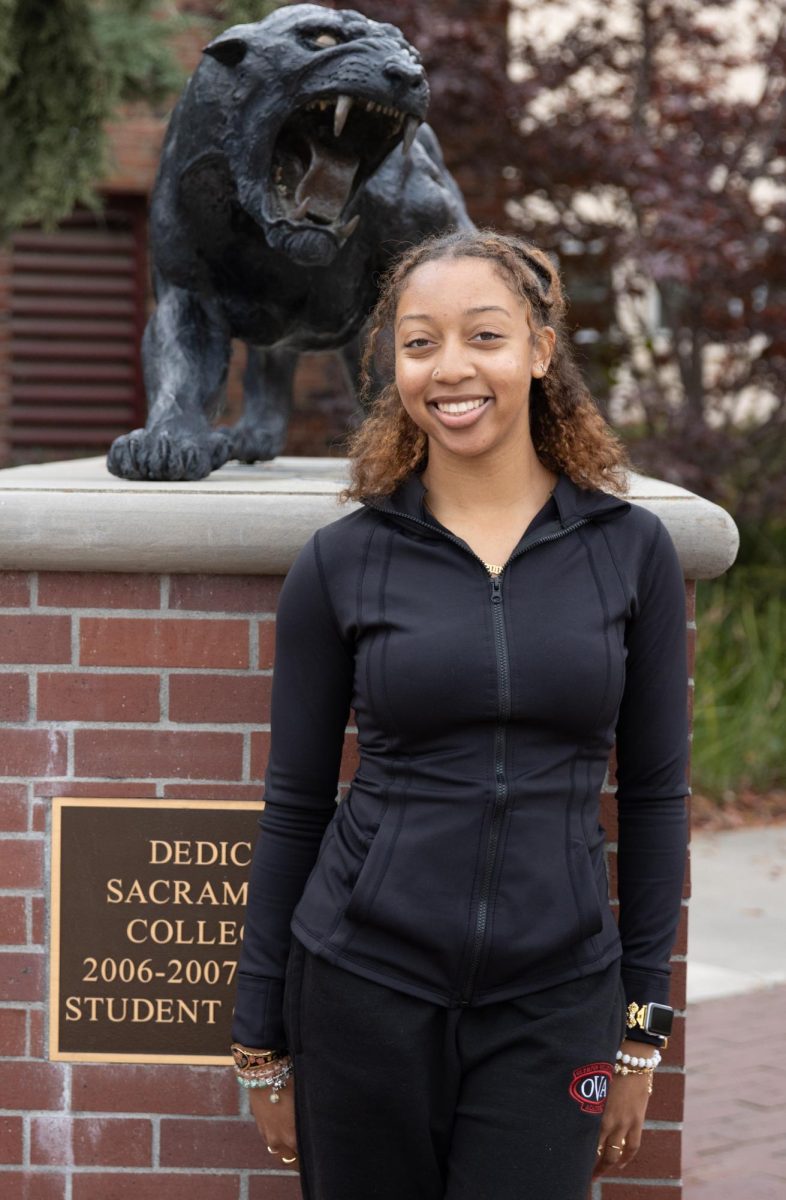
295 166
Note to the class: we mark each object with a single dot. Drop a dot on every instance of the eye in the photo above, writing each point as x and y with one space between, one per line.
416 343
324 40
488 335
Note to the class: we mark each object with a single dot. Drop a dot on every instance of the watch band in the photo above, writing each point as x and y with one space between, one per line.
246 1058
654 1019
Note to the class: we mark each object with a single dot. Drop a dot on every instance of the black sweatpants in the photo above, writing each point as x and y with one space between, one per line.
400 1099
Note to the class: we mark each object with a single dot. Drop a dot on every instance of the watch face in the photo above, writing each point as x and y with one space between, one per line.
659 1019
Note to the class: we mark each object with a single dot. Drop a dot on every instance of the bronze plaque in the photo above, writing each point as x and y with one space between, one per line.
148 900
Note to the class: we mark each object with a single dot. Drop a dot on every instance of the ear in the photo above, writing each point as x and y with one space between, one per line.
546 339
227 50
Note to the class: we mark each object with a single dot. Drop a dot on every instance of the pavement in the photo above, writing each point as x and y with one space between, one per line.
734 1145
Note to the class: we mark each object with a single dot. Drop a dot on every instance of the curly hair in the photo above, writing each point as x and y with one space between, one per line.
569 434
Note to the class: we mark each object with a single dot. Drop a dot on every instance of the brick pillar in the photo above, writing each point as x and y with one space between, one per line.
121 685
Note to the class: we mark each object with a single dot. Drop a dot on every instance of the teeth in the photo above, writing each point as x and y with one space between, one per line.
459 406
347 230
298 213
410 129
343 105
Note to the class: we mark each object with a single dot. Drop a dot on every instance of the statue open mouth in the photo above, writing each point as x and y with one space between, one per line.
324 152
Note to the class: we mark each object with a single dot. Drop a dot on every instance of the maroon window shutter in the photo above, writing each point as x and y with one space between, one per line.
77 315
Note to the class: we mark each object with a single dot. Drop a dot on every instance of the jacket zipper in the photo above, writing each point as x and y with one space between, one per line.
503 712
500 779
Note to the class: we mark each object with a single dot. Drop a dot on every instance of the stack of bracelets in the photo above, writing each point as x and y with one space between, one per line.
262 1068
629 1064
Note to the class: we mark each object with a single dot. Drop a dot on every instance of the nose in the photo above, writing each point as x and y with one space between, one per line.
453 366
403 72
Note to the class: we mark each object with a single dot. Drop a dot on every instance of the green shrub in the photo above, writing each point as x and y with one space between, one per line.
739 735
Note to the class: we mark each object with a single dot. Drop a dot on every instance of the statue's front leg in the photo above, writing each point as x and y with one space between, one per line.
185 354
261 432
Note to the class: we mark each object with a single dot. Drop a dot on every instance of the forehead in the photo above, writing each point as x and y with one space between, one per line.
455 284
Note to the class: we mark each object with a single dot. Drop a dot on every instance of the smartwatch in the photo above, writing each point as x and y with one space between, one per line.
652 1018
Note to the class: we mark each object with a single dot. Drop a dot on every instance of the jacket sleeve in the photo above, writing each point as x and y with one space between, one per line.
652 789
311 696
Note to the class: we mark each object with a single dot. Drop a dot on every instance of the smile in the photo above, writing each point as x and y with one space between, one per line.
458 412
459 406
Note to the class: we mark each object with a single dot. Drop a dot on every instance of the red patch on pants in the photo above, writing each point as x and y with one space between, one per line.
590 1086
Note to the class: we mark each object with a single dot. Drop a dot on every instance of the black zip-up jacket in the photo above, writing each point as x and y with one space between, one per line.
466 863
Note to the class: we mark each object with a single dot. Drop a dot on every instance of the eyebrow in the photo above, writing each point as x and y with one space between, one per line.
467 312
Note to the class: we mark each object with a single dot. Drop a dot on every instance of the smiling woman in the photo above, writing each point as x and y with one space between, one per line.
435 961
467 309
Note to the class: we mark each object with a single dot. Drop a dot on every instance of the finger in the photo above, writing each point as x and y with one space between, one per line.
632 1147
609 1152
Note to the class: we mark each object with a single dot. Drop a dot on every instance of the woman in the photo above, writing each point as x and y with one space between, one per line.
461 1014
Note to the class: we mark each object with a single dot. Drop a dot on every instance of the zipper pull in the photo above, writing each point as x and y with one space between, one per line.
496 590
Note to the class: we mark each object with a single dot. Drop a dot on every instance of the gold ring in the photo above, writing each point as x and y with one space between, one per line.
613 1147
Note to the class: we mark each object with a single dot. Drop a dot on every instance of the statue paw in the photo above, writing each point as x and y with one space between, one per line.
250 443
166 454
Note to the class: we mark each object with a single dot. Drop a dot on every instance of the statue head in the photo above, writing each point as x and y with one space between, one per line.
313 101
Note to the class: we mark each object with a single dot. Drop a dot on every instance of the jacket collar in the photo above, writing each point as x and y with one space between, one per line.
573 502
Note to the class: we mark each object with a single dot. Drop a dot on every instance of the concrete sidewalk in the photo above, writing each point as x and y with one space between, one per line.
735 1104
737 939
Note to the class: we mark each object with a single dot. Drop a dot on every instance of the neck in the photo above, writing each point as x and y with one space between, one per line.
514 477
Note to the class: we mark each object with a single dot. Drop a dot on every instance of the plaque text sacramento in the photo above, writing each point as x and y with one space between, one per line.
148 898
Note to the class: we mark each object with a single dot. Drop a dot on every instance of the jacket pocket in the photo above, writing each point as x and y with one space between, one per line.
585 889
379 851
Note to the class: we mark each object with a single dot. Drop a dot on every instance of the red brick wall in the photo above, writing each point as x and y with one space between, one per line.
147 686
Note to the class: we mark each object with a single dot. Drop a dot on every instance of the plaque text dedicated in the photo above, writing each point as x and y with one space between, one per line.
148 912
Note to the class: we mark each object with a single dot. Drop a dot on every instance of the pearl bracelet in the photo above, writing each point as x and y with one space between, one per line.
647 1064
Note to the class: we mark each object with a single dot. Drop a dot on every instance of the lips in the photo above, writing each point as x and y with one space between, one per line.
467 410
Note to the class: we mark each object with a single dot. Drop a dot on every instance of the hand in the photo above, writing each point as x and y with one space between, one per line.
623 1119
276 1122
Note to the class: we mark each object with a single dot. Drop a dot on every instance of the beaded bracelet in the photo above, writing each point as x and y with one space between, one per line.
630 1064
645 1064
275 1081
